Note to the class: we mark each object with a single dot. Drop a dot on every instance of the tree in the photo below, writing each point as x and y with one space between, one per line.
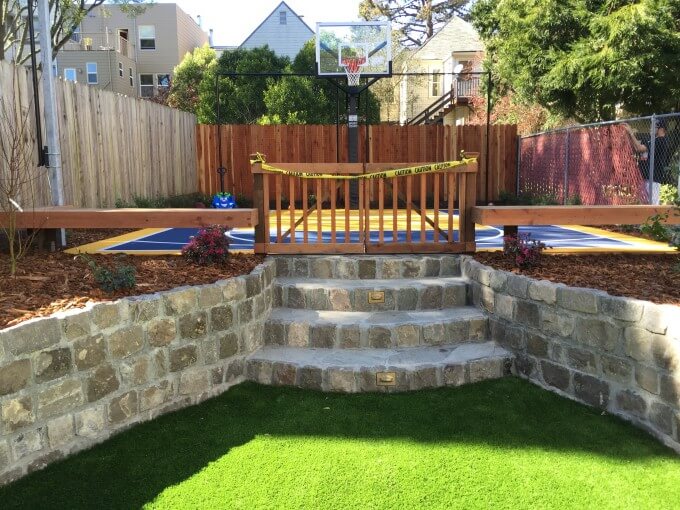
311 100
241 97
415 20
66 15
584 58
184 92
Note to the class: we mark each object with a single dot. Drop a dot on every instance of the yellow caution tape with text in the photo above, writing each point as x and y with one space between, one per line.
397 172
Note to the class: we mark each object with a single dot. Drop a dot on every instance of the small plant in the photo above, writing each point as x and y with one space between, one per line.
524 251
209 246
668 195
120 277
655 228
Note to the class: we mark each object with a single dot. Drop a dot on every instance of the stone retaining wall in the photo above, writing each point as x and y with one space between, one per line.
74 379
615 353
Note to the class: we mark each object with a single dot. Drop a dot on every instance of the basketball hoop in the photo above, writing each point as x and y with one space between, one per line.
353 69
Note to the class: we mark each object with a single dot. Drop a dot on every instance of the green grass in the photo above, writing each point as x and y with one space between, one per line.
499 444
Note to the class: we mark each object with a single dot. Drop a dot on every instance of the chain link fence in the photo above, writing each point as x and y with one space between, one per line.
632 161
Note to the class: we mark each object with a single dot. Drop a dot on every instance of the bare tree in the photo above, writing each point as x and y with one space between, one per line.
19 175
415 20
66 16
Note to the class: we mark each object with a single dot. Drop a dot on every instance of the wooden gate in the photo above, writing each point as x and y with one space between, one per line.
412 213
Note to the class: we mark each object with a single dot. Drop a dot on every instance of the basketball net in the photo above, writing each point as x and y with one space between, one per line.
353 69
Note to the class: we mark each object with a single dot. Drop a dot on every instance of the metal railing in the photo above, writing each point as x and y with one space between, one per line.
100 41
462 86
626 161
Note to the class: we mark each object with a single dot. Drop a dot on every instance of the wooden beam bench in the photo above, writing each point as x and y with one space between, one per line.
65 217
512 216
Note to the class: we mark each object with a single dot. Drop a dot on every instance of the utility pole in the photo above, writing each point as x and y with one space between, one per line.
53 152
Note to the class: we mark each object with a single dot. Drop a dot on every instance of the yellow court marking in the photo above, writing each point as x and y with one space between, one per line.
98 246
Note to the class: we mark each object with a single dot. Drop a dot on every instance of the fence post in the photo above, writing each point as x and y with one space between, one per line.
262 227
565 190
652 146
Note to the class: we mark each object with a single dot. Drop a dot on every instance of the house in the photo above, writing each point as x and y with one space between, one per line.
132 55
283 31
439 94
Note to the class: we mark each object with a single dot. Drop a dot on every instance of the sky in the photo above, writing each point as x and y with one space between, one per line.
233 20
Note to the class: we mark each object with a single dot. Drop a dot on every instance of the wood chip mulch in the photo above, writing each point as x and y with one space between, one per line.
650 277
49 282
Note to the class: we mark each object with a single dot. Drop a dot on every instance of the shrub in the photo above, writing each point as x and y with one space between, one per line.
668 195
524 251
655 228
209 246
120 277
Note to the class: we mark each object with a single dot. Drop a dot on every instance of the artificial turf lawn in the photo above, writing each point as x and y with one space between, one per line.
497 444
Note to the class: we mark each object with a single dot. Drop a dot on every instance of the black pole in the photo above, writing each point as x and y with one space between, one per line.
220 170
337 125
366 137
42 161
353 141
488 117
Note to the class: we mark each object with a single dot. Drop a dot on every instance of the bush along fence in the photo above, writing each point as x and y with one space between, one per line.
632 161
230 146
112 146
618 354
75 379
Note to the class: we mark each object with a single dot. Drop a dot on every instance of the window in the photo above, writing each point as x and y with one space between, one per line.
92 78
282 18
435 83
120 69
163 82
147 37
132 80
75 36
70 74
146 85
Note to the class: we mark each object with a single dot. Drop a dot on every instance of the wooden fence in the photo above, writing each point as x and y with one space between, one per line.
323 144
112 146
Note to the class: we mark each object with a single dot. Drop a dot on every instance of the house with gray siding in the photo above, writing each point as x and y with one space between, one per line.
132 55
283 31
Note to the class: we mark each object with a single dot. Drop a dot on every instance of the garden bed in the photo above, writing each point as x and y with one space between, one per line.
49 282
650 277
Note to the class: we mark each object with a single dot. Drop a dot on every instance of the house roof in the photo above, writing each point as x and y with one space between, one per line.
276 9
456 35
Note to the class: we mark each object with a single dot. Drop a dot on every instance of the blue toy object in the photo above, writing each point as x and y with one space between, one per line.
224 201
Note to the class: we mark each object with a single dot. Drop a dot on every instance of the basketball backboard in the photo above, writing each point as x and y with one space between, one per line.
368 43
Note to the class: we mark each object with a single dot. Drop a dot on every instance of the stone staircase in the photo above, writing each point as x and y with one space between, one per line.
374 323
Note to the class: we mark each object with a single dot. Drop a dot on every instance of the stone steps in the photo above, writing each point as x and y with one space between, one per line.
353 295
391 329
356 370
362 267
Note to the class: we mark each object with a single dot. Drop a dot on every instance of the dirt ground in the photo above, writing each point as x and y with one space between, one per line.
49 282
650 277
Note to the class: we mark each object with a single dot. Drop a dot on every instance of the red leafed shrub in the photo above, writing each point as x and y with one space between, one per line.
209 246
524 251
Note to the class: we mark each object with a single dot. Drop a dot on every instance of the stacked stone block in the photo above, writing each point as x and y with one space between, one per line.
76 378
619 354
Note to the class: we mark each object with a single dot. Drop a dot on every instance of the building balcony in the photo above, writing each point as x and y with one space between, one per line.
102 41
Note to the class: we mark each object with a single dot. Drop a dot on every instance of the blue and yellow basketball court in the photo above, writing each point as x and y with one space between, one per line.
560 238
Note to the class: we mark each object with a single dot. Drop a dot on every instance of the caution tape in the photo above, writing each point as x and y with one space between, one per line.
397 172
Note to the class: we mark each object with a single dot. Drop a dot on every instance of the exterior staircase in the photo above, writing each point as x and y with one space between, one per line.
374 323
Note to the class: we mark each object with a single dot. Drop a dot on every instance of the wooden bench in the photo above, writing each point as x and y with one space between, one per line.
64 217
512 216
48 219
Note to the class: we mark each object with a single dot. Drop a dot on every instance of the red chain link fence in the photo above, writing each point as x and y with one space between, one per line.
614 163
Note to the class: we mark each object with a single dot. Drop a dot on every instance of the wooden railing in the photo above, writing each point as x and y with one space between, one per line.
337 215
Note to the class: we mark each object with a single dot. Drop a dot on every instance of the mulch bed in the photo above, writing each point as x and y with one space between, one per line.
50 282
649 277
